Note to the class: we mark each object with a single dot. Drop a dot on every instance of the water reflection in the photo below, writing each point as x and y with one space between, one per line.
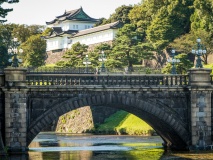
87 147
51 146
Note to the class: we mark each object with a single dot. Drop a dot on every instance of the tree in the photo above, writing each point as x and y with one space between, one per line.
4 12
206 41
125 47
106 48
202 17
146 52
182 67
101 21
120 14
143 14
4 57
201 25
5 42
171 21
6 34
34 51
187 42
23 32
74 55
160 22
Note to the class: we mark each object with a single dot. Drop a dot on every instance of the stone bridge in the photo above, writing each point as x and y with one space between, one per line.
178 107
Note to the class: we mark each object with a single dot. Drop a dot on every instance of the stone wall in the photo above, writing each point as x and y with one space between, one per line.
76 121
54 56
83 119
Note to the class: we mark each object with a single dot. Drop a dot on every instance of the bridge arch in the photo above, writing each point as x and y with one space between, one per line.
164 120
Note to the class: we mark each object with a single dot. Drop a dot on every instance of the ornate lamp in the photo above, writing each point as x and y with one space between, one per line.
173 61
199 50
102 58
86 61
13 52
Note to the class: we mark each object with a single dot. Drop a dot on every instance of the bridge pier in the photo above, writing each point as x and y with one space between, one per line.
201 126
15 109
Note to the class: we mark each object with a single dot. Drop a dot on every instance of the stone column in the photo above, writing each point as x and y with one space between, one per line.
199 80
15 109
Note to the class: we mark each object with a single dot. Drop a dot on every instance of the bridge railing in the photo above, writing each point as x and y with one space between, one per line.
92 70
64 70
106 80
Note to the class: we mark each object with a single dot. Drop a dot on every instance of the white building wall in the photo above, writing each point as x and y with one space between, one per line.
72 25
93 38
97 37
57 43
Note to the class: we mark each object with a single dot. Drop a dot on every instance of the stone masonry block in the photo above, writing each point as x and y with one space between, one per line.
81 103
98 99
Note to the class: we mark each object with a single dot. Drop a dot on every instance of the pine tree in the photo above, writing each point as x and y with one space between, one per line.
3 11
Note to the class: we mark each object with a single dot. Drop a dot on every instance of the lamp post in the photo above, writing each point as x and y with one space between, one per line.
102 58
86 61
199 50
13 52
173 61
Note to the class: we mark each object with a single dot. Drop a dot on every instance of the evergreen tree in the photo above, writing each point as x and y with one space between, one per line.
143 14
106 48
202 26
125 47
5 41
171 21
74 56
182 67
4 12
202 17
121 14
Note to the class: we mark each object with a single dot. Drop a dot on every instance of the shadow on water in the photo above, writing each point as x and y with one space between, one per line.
15 157
96 155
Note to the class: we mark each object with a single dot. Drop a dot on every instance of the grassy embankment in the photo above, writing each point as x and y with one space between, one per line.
123 123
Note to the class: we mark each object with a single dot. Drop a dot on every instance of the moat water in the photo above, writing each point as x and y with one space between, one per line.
54 146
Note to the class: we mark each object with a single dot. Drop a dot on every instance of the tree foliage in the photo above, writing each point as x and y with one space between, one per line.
182 67
23 32
171 21
34 51
202 17
5 41
120 14
154 26
106 48
125 47
4 11
74 55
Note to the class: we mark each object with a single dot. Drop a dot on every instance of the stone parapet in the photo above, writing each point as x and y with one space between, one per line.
199 76
15 77
200 83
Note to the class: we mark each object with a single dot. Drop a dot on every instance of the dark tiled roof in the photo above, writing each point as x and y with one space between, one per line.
113 25
73 15
57 32
67 13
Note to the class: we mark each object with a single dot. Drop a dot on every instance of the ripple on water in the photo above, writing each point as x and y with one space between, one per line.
83 148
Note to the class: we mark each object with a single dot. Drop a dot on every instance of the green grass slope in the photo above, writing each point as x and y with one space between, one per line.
123 123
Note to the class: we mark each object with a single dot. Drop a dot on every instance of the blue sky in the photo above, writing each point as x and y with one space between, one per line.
39 11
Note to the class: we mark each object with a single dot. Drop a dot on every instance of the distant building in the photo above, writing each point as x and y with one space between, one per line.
76 26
